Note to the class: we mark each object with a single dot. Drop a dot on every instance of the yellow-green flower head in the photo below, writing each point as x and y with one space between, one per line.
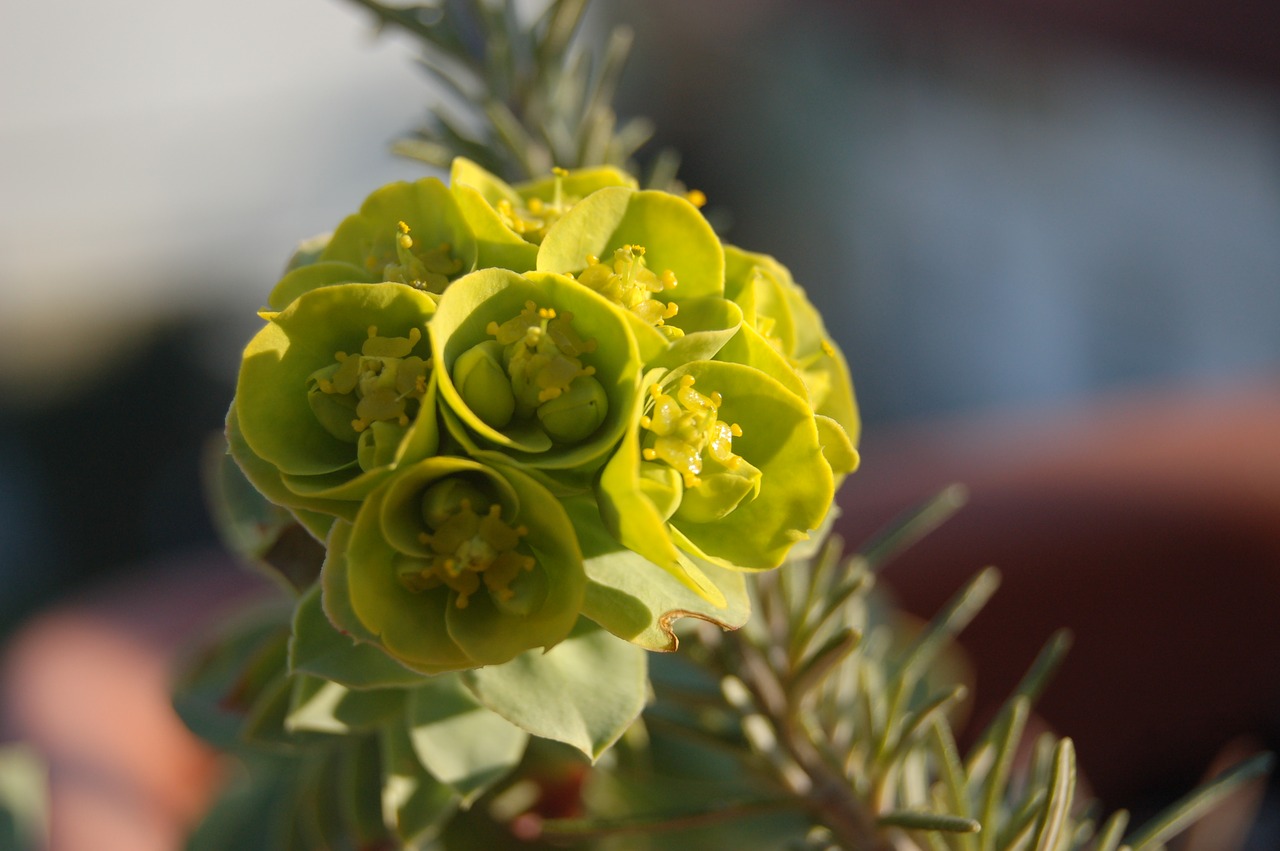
535 367
334 392
405 233
452 565
654 256
722 462
778 309
510 221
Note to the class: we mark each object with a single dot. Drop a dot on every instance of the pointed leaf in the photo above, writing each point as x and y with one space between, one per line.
461 743
1186 811
584 692
637 600
1062 785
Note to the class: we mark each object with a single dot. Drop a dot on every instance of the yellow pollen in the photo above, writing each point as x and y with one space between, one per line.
828 349
735 430
649 454
403 227
560 172
696 197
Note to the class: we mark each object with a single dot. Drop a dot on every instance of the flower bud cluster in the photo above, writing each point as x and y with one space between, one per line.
475 393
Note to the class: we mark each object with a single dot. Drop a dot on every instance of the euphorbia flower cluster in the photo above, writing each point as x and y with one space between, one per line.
503 408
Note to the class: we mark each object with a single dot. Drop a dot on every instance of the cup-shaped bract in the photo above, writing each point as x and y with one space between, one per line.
775 306
335 392
510 221
721 461
534 367
406 233
451 565
654 255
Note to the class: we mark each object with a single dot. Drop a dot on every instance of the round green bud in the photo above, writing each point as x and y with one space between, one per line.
443 499
575 414
483 383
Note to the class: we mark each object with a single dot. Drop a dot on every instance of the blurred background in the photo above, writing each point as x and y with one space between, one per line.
1014 216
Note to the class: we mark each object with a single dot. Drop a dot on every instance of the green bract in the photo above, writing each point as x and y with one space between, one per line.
509 221
775 306
451 565
722 462
534 367
407 233
334 393
654 256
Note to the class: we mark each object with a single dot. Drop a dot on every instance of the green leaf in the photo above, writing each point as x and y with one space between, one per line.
221 681
254 812
320 706
415 806
584 692
912 525
459 741
919 820
992 786
1057 809
1184 812
318 648
1112 831
636 599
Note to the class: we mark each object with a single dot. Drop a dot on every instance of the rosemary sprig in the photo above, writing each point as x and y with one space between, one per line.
517 97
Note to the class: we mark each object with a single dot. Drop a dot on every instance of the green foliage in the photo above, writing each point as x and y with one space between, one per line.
519 98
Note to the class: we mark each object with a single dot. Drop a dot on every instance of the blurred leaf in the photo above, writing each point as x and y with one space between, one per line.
414 804
913 525
24 800
584 692
254 812
1062 784
322 706
916 820
252 527
458 740
220 682
1184 812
